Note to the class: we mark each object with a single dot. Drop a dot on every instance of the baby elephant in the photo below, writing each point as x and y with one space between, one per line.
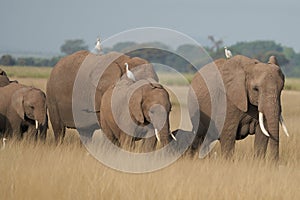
131 111
22 110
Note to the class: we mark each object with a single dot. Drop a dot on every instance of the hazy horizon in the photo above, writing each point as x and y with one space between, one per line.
43 26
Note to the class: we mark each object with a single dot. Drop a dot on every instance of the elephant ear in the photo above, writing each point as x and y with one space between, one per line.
135 106
17 102
3 73
156 85
234 80
273 60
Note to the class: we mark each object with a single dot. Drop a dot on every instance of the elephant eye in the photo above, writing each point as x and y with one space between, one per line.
255 88
32 107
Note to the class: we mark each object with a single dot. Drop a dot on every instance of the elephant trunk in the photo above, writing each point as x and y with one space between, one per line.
40 120
163 133
270 109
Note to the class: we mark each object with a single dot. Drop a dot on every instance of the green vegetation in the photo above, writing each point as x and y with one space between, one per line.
71 46
157 52
292 84
27 72
167 78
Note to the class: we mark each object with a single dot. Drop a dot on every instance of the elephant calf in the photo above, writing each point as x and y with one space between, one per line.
22 110
132 110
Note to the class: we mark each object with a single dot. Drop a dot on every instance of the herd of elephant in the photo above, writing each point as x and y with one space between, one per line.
129 110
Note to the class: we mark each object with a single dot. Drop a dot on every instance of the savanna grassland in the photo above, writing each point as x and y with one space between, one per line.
31 170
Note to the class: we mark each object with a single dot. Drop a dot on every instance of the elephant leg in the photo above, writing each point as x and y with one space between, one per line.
260 144
195 146
17 129
227 146
149 144
227 141
126 141
43 130
59 129
7 131
31 132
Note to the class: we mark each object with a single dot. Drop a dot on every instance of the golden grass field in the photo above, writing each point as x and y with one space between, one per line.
47 171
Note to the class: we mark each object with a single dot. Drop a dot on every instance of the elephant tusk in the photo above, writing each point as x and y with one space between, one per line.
173 136
156 135
36 124
261 124
283 126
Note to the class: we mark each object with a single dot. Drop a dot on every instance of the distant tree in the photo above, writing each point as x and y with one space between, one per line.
71 46
282 60
289 52
121 46
256 49
7 60
216 43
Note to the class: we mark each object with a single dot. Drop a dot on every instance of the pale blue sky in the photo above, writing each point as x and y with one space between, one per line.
43 25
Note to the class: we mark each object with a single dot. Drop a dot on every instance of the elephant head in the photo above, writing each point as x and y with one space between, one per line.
3 78
249 82
150 103
30 105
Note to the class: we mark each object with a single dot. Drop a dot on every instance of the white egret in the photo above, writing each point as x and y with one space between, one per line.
98 47
228 53
129 73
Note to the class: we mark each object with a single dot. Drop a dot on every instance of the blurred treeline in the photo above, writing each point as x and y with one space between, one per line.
179 58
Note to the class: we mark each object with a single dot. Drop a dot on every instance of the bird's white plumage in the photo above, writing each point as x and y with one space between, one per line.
98 47
228 53
129 73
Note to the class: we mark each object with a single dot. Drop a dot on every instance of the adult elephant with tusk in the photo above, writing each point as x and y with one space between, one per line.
252 91
23 110
131 111
72 81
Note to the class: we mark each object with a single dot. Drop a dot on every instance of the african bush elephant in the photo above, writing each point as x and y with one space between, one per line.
4 80
23 111
101 71
132 110
252 93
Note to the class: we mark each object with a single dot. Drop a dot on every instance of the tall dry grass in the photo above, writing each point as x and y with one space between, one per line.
31 170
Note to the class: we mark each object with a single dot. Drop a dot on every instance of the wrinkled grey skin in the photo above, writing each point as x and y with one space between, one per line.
93 71
132 110
251 87
20 106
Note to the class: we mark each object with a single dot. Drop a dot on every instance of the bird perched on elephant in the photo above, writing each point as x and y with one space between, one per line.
133 110
23 111
252 105
66 86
